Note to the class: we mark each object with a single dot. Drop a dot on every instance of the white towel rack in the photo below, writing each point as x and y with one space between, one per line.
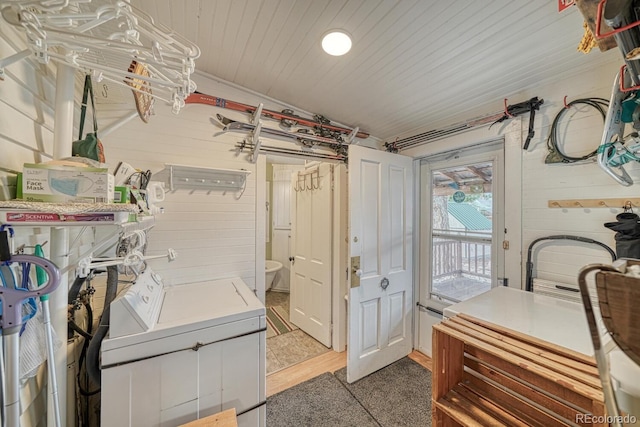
196 177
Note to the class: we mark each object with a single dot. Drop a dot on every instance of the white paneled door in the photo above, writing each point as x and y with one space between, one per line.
311 245
381 224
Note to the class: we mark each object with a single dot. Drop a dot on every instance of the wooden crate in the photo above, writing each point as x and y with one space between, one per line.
488 375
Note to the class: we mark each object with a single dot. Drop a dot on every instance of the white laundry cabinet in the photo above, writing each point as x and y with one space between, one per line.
206 353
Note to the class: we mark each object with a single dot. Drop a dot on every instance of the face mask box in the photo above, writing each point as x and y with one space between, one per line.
59 183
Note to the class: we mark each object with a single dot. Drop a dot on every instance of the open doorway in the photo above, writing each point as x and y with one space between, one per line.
293 186
388 177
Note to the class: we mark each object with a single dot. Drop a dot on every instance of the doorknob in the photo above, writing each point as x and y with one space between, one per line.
384 283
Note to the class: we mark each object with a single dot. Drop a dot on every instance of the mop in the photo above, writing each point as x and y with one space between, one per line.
11 323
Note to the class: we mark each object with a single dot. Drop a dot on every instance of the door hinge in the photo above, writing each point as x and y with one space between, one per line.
505 244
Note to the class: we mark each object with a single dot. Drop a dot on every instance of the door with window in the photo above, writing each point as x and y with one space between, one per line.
462 231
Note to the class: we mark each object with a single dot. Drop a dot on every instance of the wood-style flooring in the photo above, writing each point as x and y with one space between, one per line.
327 362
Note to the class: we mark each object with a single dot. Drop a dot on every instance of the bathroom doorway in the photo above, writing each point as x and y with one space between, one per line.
287 342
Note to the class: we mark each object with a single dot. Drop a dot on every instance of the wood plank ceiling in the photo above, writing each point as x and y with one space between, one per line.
475 179
415 65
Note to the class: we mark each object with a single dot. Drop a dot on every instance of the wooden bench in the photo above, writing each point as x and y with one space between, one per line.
488 375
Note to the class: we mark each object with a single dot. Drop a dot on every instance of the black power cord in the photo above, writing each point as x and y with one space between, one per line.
555 154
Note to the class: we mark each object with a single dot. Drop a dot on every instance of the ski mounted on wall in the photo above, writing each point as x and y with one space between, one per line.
286 117
509 111
306 139
305 153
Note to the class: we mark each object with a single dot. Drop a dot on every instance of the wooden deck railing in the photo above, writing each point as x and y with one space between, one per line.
457 257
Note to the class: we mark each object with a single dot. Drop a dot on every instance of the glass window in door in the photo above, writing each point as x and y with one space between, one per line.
461 231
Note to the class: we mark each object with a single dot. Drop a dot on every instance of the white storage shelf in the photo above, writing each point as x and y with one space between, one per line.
17 217
194 177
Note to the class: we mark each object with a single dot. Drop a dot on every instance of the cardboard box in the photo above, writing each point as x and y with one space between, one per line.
58 183
122 194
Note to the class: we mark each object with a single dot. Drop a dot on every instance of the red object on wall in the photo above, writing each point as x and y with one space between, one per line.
565 4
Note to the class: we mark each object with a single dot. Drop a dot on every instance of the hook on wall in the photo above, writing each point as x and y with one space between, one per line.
624 203
302 185
506 109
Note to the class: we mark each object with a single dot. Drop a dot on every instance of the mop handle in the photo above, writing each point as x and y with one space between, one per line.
12 298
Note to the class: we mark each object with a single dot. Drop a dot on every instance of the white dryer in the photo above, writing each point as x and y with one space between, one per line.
176 354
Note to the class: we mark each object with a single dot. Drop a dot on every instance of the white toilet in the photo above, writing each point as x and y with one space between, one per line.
271 268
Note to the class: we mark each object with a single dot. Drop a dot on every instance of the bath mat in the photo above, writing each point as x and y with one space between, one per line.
278 321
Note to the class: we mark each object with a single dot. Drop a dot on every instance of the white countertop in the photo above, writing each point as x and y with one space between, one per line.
551 319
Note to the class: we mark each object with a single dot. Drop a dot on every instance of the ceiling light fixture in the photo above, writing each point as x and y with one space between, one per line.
336 42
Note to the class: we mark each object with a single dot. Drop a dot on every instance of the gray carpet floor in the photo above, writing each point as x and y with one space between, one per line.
398 395
321 401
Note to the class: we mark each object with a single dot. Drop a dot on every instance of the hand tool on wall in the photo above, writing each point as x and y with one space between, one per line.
615 150
514 110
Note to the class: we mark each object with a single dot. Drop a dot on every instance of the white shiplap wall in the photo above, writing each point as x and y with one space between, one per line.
26 125
214 232
538 183
562 260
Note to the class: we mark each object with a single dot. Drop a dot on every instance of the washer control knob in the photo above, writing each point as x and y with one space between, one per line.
156 278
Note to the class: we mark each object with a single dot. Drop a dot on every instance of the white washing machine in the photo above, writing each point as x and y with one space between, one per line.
180 353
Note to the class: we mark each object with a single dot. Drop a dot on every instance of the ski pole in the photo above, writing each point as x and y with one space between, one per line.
41 277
